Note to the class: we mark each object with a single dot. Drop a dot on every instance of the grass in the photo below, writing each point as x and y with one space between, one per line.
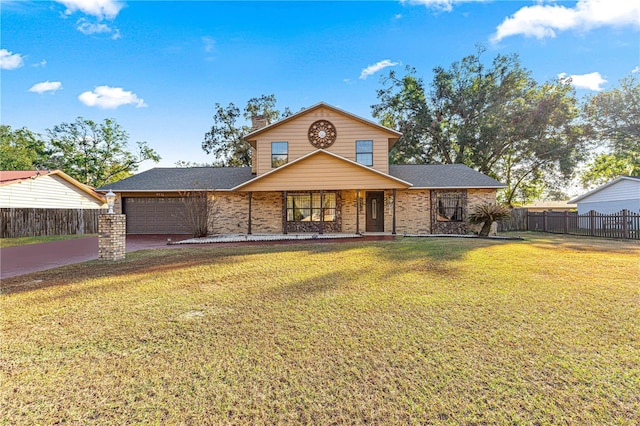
23 241
418 331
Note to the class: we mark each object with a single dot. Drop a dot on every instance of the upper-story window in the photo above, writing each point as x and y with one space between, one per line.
279 153
364 152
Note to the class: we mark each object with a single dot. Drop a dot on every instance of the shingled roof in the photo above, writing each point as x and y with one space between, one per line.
182 179
434 176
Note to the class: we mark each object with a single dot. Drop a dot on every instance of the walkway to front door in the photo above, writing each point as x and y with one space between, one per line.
375 211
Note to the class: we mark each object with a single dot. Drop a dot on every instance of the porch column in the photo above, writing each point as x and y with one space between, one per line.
285 223
321 212
393 229
358 211
249 225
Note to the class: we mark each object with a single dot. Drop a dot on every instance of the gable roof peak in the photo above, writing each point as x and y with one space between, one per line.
251 136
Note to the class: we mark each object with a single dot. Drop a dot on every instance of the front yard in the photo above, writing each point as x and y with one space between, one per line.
423 331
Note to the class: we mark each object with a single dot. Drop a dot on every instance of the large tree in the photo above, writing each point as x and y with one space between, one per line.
96 153
614 123
225 138
22 149
494 118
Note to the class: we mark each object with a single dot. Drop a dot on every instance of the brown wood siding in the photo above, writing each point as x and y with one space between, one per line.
348 130
323 171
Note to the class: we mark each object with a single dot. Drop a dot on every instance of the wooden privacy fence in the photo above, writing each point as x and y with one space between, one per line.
624 224
517 221
40 222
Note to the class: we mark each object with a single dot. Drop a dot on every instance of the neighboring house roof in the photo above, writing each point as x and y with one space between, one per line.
394 135
606 185
549 205
8 177
182 179
351 172
442 176
420 176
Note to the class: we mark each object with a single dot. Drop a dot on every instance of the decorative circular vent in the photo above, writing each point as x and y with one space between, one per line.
322 134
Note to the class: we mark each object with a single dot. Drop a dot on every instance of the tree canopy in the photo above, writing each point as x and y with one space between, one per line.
95 153
225 138
22 149
613 119
494 118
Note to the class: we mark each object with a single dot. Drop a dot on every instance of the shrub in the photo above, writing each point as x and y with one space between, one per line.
486 214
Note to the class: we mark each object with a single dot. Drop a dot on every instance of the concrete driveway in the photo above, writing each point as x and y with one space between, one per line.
22 260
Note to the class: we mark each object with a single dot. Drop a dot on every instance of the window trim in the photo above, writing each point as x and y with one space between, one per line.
448 213
320 212
279 154
364 152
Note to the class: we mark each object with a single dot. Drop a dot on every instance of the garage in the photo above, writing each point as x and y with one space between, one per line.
155 215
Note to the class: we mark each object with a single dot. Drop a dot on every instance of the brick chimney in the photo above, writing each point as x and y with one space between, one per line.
259 121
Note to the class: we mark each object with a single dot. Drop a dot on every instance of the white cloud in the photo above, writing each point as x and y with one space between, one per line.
545 20
42 63
9 60
101 9
107 97
46 86
438 5
591 81
635 70
372 69
88 28
209 44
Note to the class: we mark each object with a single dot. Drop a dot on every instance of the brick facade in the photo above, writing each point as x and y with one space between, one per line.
414 212
266 212
112 236
231 213
349 206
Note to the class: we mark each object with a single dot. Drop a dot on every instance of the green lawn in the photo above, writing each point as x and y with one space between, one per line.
418 331
23 241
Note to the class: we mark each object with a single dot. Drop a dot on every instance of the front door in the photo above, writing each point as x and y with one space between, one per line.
375 211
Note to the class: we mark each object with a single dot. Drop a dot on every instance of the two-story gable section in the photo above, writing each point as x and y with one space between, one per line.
322 170
324 127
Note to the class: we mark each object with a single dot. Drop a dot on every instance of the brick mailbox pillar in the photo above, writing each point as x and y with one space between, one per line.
111 236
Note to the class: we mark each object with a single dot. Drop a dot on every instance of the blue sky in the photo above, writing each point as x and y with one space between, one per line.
158 67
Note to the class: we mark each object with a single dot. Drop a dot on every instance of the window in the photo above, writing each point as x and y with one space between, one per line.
279 153
449 207
306 207
364 153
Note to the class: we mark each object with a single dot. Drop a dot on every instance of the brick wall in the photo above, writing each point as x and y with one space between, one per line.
412 212
231 213
478 196
349 212
266 213
111 236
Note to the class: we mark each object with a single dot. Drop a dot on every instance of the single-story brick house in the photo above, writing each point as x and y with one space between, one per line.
321 170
